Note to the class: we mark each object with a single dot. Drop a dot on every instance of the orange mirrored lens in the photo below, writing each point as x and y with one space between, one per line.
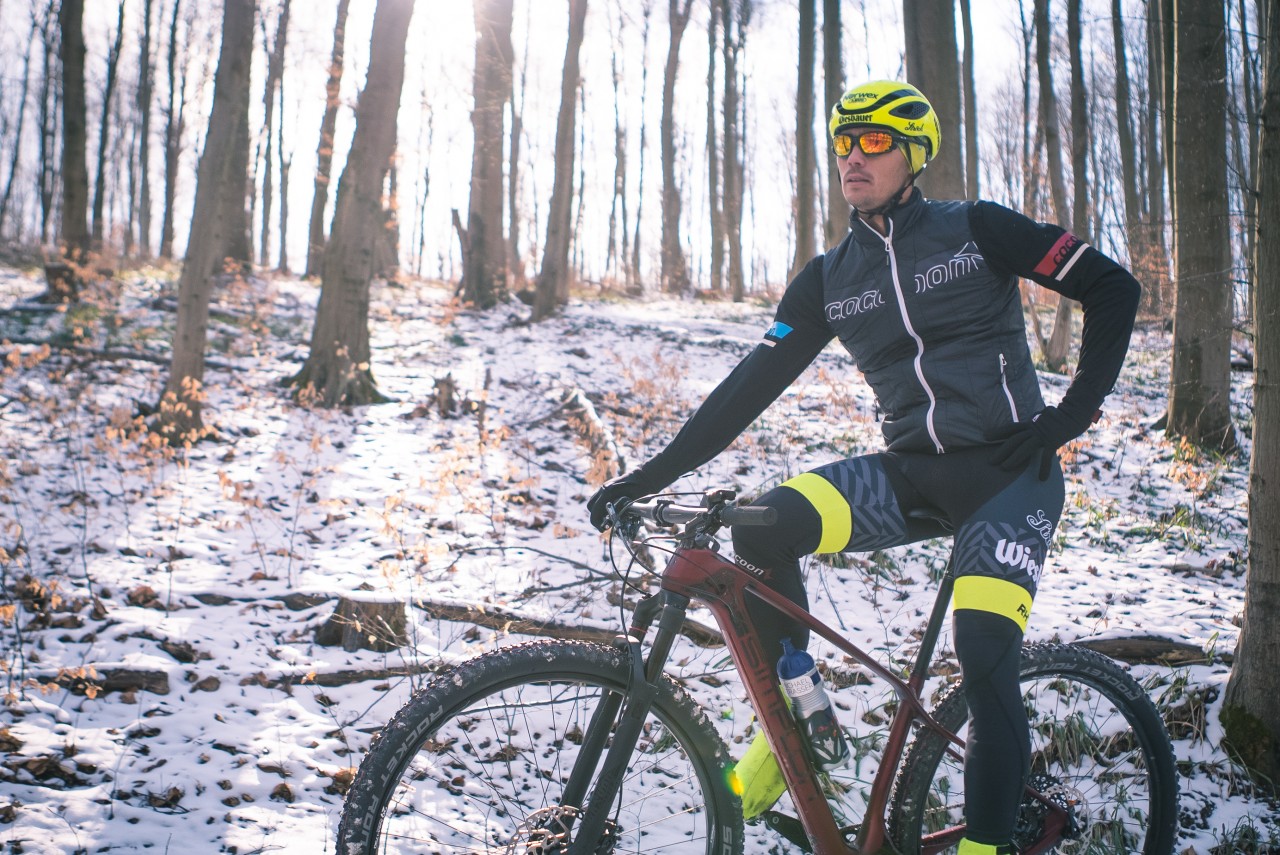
875 142
871 142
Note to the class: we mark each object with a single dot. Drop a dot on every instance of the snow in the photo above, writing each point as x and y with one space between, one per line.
232 553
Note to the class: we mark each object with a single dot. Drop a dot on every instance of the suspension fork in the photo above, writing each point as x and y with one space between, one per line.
638 699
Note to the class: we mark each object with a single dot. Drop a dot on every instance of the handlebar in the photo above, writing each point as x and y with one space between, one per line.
718 511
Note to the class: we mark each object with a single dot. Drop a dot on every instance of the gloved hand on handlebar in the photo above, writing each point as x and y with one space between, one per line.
633 485
1044 434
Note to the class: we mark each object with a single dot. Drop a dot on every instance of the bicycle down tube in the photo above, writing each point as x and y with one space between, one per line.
705 576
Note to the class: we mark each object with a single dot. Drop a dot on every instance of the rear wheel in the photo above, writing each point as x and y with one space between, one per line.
478 759
1099 751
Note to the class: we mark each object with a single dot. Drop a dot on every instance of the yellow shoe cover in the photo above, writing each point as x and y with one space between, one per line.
757 778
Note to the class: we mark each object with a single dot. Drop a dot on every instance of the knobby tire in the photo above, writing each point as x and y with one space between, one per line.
1098 743
475 762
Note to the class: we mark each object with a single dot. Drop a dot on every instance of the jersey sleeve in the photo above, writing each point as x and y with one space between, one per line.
1055 258
797 335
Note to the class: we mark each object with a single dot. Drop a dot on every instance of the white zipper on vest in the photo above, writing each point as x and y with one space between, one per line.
906 321
1004 384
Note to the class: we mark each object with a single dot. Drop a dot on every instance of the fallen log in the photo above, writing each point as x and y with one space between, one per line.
1147 650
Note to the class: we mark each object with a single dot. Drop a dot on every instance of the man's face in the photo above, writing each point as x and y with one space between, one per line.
869 181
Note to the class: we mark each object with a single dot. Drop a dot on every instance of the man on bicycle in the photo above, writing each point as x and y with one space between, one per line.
924 296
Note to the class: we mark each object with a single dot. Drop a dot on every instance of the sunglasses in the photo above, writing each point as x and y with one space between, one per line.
871 142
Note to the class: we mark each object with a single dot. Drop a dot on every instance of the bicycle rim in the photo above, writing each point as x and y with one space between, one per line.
1098 749
477 762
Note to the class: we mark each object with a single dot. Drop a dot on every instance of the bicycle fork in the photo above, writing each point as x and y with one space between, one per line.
624 723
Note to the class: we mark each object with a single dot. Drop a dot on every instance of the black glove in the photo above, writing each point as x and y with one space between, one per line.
633 485
1044 434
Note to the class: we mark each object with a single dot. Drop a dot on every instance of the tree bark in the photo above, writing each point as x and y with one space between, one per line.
275 74
145 88
20 122
715 202
484 269
104 132
175 126
805 166
337 371
675 269
735 36
837 225
48 120
75 174
933 66
1055 355
1155 269
553 278
1124 136
217 179
1200 379
971 129
324 151
1250 715
637 284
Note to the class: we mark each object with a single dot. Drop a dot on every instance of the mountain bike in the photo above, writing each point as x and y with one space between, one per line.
572 747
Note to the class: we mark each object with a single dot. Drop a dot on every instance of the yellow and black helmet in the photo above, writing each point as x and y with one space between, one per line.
900 108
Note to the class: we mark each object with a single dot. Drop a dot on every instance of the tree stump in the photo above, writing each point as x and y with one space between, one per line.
377 625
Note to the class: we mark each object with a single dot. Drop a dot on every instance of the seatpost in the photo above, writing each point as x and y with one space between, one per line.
933 629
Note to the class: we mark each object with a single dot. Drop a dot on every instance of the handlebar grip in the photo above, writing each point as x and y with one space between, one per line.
749 515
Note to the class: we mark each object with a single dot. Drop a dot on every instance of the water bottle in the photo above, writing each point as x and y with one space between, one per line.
811 707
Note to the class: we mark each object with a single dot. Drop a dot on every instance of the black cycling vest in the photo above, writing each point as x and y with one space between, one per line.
938 335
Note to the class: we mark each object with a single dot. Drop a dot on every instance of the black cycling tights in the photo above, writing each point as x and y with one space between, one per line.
997 753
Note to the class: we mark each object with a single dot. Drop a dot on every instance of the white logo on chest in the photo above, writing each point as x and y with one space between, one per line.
962 263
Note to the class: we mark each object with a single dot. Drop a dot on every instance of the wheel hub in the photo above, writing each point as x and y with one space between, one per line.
1033 813
548 832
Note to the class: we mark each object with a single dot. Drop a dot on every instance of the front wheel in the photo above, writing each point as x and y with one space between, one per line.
477 761
1099 750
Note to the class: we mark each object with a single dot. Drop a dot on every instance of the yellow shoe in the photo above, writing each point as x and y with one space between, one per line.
757 779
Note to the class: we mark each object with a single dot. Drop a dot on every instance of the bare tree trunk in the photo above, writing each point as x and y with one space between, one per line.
20 122
1200 379
1156 260
484 269
237 237
104 131
175 111
285 164
146 73
1055 355
553 277
971 129
1250 715
337 371
735 37
515 263
934 67
1124 136
805 195
637 285
1060 341
181 404
75 174
837 225
715 204
675 270
324 151
49 106
275 73
615 259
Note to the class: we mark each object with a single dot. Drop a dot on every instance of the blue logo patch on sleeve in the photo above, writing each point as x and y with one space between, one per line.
776 333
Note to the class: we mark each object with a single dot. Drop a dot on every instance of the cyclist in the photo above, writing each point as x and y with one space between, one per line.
924 296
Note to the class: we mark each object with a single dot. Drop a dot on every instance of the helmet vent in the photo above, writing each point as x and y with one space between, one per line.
910 110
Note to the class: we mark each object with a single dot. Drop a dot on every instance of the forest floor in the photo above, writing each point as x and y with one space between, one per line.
165 690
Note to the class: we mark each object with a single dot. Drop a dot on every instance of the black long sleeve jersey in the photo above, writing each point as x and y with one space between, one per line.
932 316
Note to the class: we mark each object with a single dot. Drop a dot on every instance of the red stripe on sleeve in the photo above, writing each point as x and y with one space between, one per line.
1057 254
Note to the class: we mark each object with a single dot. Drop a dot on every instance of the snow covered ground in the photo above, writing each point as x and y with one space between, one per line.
204 573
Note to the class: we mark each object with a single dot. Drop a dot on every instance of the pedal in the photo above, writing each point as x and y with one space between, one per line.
789 827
